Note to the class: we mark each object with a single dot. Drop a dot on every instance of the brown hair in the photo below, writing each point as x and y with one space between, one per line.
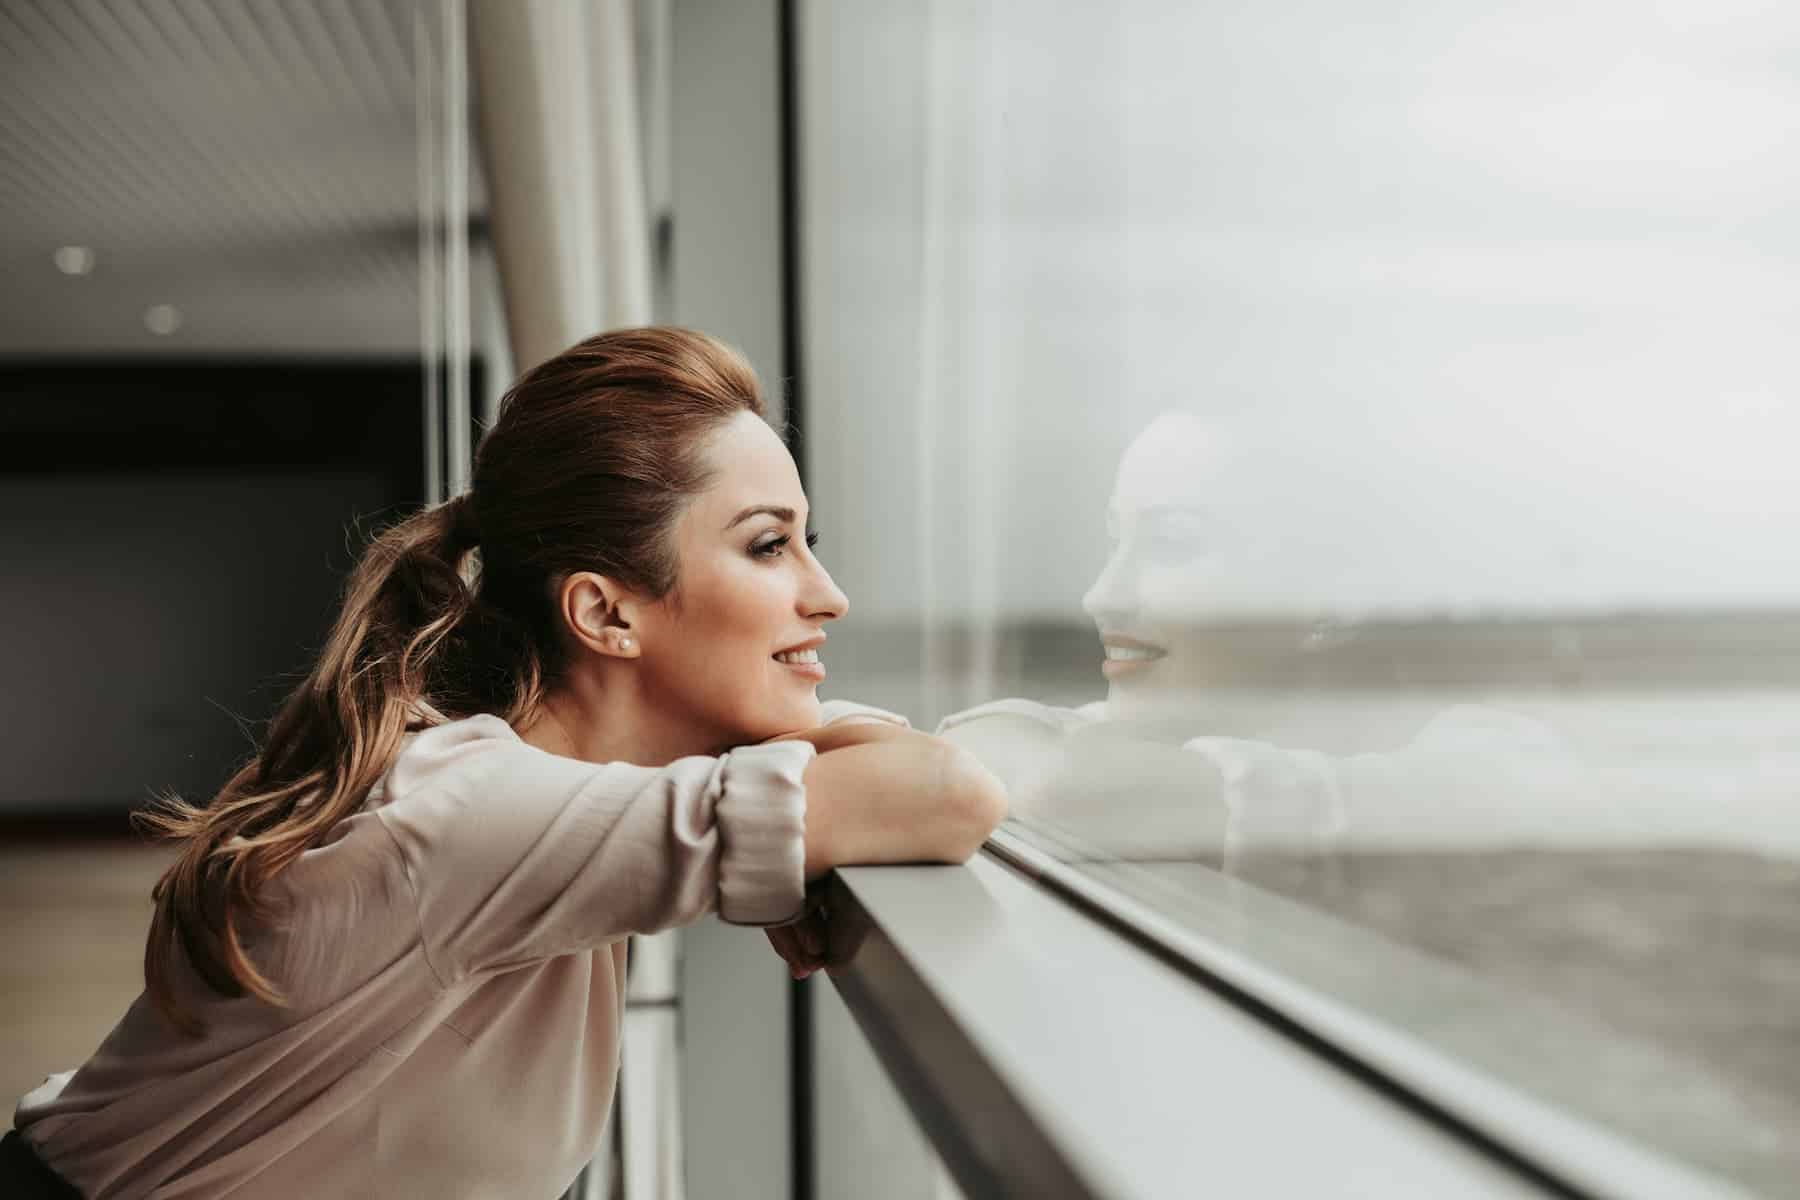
594 457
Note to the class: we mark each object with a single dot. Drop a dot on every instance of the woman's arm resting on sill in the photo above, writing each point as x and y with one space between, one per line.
878 793
892 796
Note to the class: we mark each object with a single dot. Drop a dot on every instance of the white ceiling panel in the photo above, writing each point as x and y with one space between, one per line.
251 162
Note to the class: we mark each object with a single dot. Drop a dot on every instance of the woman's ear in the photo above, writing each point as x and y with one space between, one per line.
593 607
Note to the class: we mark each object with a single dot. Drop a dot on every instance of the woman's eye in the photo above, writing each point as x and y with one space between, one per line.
774 546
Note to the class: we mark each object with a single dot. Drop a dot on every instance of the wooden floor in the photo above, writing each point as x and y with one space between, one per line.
74 915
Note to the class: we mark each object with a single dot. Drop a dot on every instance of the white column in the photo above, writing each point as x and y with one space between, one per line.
559 133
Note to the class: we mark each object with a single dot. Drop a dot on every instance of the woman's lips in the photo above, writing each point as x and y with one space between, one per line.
814 671
1127 655
809 649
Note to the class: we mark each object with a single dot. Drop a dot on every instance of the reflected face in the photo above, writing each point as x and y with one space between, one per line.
1257 526
736 646
1164 560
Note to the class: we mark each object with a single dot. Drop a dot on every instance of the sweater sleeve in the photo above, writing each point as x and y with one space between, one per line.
516 855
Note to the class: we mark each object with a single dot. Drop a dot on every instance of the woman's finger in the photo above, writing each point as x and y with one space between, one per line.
791 946
782 940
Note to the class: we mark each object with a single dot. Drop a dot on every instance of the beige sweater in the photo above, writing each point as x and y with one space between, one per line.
455 969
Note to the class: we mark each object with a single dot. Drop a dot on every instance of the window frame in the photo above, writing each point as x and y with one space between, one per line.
1318 1094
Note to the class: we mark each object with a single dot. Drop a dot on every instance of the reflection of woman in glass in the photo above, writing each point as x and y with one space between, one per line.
1215 533
390 957
1204 750
1197 532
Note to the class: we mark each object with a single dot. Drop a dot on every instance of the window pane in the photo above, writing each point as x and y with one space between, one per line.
1351 455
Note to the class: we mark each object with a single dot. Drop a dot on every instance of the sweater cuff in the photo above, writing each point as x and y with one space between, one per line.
761 816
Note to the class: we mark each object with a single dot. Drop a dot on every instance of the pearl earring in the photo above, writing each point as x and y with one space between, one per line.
625 643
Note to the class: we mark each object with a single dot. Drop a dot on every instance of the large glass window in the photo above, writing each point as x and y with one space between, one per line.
1341 463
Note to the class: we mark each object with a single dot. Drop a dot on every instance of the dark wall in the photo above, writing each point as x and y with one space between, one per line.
174 538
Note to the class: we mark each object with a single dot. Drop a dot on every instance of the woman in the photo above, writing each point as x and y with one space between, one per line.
390 958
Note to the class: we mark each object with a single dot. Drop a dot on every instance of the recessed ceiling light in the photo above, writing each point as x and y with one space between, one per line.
162 319
74 260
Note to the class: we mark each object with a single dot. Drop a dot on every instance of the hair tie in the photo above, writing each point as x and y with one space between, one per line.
463 530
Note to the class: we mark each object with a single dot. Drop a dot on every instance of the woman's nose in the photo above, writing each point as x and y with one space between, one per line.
1114 591
823 598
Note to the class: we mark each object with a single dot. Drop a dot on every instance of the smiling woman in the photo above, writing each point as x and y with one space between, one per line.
574 704
702 672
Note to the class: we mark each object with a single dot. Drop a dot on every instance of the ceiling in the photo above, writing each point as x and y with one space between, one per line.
252 163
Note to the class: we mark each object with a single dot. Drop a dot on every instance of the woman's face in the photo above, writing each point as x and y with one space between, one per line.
1214 528
748 590
1164 561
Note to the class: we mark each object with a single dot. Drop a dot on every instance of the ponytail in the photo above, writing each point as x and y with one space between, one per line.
331 740
594 457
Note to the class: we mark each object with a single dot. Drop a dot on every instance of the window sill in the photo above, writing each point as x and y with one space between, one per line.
1046 1055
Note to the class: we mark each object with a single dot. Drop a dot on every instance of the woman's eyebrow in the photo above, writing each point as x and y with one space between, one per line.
774 510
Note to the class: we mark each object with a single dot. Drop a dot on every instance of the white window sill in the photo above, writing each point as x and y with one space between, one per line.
1045 1054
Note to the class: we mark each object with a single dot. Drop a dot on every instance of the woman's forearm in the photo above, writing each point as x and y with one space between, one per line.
894 795
858 732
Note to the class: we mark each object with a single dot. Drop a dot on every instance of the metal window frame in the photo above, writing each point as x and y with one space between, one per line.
982 989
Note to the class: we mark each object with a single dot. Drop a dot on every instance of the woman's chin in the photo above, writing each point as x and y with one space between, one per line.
810 711
789 717
1140 699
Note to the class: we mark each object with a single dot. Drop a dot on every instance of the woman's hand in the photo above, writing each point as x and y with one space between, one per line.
801 945
823 938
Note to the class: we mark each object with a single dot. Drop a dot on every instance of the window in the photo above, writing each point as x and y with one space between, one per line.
1338 468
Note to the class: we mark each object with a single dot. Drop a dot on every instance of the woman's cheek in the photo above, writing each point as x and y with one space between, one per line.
1182 594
